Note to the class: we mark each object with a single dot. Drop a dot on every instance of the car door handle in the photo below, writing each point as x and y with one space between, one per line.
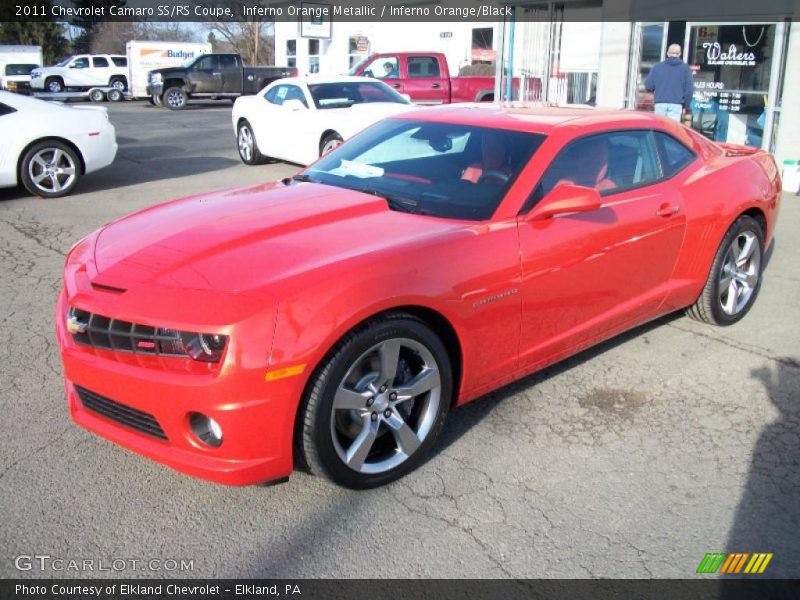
395 85
436 86
667 210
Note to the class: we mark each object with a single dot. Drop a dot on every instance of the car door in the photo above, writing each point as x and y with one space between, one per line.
424 80
231 69
79 72
281 122
387 69
585 274
100 72
206 76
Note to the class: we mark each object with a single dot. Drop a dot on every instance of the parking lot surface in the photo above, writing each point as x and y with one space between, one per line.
632 459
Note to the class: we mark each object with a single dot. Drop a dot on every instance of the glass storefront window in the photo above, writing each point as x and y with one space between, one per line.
732 66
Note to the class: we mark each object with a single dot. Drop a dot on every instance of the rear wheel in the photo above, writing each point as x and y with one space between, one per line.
248 148
114 95
50 169
97 95
54 85
376 404
175 98
735 277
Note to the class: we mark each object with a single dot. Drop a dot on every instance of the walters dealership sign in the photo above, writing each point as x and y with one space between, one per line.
716 54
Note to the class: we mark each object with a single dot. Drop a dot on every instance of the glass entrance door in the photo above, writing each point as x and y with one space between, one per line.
735 71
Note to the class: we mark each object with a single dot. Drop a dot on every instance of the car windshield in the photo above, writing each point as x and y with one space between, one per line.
64 62
20 69
344 94
439 169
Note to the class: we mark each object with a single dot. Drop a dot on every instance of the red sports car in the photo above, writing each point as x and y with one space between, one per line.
332 320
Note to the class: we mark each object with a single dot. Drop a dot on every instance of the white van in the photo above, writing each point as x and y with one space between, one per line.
82 72
144 57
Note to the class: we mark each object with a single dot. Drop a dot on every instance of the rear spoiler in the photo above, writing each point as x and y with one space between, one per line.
737 149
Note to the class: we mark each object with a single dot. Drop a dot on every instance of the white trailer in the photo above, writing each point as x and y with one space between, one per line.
143 57
16 63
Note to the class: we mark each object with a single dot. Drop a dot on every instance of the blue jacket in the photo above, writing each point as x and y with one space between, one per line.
671 80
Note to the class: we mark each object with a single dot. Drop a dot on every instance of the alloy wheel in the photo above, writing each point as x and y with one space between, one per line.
52 170
175 99
245 143
740 272
386 406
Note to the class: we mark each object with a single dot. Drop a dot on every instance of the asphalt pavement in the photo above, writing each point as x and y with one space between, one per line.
633 459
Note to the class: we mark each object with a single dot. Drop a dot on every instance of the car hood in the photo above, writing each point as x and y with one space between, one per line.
249 238
369 110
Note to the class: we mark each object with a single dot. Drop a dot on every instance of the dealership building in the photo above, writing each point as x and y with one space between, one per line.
746 71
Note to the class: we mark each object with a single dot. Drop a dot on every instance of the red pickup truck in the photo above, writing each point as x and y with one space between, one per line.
425 77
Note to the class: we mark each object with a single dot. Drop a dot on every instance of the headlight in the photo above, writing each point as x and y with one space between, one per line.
35 74
155 77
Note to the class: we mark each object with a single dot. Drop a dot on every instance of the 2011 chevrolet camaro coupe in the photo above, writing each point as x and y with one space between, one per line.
332 320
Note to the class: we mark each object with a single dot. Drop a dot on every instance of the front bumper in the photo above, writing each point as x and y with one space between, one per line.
155 89
256 417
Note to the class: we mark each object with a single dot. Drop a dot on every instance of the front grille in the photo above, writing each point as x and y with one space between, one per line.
122 336
124 415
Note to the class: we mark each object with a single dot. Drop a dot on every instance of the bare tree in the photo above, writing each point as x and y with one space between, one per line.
253 39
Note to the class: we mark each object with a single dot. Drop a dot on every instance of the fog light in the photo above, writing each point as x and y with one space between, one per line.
206 429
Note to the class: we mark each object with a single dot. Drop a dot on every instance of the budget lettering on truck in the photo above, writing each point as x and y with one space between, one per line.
144 56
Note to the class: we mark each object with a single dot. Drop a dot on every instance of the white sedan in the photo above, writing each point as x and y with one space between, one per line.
300 119
48 146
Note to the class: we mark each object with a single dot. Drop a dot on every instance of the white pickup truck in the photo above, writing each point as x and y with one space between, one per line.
82 72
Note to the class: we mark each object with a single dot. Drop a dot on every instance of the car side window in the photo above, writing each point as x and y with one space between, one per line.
384 67
99 62
674 155
276 94
295 93
119 61
423 66
228 61
608 162
207 63
81 62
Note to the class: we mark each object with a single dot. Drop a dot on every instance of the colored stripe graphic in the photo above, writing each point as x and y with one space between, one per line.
734 563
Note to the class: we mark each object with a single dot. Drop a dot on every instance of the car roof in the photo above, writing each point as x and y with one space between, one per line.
534 117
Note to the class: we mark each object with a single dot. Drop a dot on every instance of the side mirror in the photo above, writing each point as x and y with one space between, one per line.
563 199
294 105
406 96
73 66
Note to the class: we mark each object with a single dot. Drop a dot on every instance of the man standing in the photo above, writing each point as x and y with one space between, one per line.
671 80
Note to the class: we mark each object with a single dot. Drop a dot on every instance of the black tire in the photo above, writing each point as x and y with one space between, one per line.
318 428
54 85
244 133
156 100
97 96
175 98
49 187
714 304
119 83
114 95
329 142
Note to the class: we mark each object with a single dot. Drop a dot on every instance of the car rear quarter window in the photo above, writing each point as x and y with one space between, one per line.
673 154
423 66
100 62
119 61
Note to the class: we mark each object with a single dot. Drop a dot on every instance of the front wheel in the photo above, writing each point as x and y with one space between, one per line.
329 142
376 404
175 98
118 83
248 148
54 85
735 277
50 169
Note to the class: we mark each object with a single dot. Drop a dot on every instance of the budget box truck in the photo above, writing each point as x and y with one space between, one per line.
16 64
143 57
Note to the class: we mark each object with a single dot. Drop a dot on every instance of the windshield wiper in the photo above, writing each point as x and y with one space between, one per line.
304 178
397 203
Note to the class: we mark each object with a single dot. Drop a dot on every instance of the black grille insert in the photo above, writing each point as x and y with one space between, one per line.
124 415
91 329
